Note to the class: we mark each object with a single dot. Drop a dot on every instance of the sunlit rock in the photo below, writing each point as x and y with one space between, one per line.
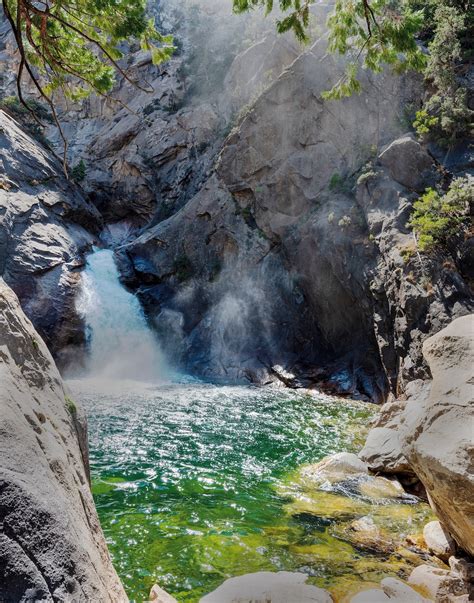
268 587
437 433
158 595
436 583
438 541
51 546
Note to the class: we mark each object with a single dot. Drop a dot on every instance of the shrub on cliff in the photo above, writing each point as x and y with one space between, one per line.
445 114
437 217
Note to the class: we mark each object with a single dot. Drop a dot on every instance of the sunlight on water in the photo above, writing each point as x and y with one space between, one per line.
185 478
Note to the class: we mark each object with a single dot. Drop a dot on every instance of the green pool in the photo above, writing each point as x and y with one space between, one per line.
187 479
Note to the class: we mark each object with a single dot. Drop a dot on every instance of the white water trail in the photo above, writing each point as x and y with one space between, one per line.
122 347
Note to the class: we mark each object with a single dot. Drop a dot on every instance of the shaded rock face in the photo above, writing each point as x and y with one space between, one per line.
312 263
45 227
51 544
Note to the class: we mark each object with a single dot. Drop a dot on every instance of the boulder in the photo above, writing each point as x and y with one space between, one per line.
408 162
51 544
335 468
396 590
438 541
373 595
382 452
438 584
268 587
376 487
437 434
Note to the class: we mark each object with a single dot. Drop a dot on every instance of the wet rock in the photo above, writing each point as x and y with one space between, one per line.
268 587
408 162
51 544
437 433
375 487
335 468
438 541
365 534
438 584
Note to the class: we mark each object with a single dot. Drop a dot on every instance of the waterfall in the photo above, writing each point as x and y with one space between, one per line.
121 344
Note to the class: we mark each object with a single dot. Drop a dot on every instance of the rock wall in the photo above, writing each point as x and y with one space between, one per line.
51 544
46 225
430 435
290 261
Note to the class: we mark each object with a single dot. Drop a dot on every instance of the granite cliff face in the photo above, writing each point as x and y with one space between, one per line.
51 544
297 236
46 225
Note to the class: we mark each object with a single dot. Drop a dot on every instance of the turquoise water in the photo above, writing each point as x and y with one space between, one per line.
185 478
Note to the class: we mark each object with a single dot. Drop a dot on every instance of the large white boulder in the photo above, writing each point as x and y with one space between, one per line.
438 433
268 587
438 540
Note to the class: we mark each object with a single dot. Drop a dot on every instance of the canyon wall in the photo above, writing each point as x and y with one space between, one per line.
46 225
263 228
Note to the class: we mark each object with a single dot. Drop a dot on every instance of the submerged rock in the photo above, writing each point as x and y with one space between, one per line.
335 468
51 544
268 587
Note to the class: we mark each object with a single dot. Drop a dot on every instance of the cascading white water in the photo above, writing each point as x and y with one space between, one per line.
122 346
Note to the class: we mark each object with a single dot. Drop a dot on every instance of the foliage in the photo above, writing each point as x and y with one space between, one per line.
376 33
74 45
446 112
78 172
71 406
438 217
345 222
372 33
338 184
424 122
